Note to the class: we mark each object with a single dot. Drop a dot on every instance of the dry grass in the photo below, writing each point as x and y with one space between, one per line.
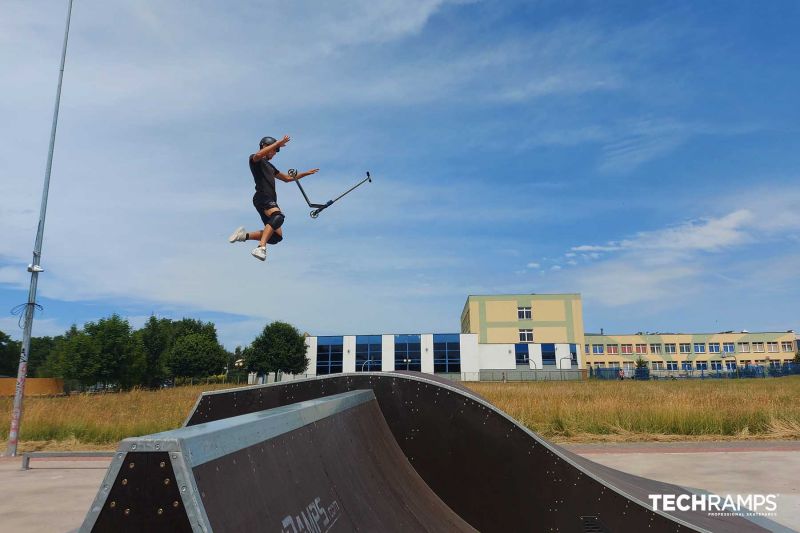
561 411
100 419
654 410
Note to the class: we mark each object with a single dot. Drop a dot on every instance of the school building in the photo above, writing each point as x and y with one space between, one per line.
539 336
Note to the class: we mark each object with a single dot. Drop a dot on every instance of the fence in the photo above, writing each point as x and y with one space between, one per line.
742 372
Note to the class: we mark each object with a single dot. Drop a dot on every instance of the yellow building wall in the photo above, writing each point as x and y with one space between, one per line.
502 311
547 310
502 335
549 334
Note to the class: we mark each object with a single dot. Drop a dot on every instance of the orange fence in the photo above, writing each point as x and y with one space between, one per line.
33 386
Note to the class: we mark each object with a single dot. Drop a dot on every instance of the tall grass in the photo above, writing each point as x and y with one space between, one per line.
561 411
102 418
652 410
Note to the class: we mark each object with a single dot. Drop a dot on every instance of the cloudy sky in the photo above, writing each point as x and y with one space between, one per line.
644 154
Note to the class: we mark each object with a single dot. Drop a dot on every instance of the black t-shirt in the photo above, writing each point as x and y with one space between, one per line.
264 174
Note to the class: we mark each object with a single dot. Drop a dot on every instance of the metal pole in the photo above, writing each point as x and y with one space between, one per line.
34 268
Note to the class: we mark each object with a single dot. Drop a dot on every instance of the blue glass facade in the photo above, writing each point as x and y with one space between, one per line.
329 355
368 353
446 352
522 354
548 354
408 352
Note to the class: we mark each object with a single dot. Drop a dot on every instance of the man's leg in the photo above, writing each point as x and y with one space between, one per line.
271 233
268 229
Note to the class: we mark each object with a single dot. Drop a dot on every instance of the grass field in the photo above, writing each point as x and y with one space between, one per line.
561 411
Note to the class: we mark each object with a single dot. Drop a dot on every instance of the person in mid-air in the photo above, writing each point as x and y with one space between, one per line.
265 200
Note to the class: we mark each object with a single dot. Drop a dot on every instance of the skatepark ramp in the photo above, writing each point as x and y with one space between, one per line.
370 452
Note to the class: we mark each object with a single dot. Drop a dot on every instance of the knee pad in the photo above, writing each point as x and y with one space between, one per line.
275 239
276 220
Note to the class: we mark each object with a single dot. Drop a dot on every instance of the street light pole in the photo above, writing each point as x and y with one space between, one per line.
34 268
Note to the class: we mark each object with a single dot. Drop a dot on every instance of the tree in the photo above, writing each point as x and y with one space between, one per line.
196 355
40 352
279 348
155 340
9 355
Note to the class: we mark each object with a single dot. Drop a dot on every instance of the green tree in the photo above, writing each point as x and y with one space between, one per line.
79 357
155 340
9 355
120 361
196 355
279 348
40 352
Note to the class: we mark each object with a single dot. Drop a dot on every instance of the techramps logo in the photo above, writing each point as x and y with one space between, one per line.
744 505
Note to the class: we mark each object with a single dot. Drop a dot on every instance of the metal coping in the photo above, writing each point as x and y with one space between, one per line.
205 442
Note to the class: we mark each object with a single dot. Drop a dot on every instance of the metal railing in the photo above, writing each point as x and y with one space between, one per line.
27 456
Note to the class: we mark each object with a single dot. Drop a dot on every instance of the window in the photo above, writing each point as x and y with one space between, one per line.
758 347
686 347
446 353
586 349
526 335
772 347
641 348
775 363
613 349
601 364
672 365
669 348
522 354
407 353
786 346
597 349
627 365
744 347
686 365
699 347
730 365
329 355
727 347
524 313
658 365
368 353
702 365
548 354
627 348
613 365
716 365
713 347
573 354
655 348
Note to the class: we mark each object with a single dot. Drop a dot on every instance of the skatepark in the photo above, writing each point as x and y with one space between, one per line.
371 452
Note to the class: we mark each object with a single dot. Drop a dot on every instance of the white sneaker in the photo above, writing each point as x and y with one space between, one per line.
260 253
240 235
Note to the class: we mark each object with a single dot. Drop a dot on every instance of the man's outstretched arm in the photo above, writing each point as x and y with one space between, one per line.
300 175
262 153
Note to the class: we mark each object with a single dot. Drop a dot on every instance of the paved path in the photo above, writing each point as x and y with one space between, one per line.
729 467
55 494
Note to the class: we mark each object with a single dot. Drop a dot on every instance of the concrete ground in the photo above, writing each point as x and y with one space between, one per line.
54 495
723 468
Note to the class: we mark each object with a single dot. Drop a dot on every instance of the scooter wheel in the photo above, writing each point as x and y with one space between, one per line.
314 213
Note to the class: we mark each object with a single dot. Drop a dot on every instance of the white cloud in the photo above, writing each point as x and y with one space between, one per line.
533 265
676 262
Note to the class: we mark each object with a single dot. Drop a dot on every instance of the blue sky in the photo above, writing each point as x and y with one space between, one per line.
643 154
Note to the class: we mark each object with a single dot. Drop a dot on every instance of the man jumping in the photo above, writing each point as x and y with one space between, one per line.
265 200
